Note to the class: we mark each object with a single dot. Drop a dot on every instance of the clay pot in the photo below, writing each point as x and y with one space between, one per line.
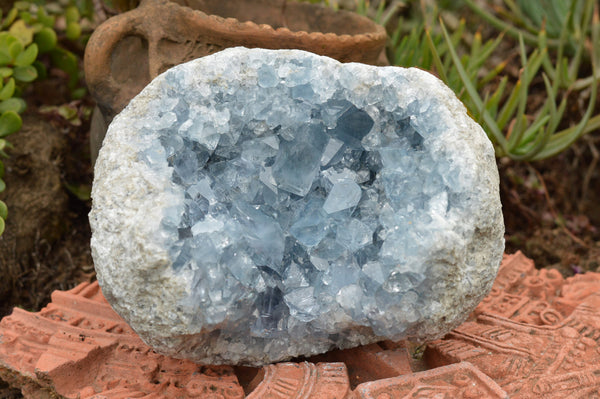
127 51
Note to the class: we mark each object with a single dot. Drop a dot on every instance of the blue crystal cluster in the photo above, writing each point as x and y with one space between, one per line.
315 202
299 199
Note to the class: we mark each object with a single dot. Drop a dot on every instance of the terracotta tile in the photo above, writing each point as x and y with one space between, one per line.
369 362
531 361
540 297
79 347
535 336
529 354
525 294
455 381
303 380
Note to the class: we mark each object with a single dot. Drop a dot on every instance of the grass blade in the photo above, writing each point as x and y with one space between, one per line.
474 95
437 61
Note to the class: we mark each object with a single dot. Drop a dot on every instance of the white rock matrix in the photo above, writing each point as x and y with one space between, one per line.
256 205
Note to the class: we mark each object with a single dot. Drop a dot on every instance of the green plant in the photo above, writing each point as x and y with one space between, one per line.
423 48
526 18
535 135
40 21
18 52
527 137
26 32
492 97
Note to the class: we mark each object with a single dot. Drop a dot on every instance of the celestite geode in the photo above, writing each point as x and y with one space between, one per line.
256 205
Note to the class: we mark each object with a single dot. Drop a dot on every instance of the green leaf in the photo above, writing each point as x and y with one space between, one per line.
36 27
436 57
10 17
22 5
6 39
78 93
520 119
86 8
495 131
562 140
25 16
534 130
503 26
67 111
65 60
41 69
3 210
2 226
491 74
2 185
494 100
25 73
509 106
17 105
45 39
5 72
45 19
8 90
73 31
81 191
72 14
10 122
15 49
5 58
6 144
28 56
489 47
22 32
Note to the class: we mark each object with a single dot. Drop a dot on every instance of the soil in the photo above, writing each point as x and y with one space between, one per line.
552 208
46 242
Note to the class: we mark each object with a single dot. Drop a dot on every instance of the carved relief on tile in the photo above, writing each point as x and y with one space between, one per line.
527 360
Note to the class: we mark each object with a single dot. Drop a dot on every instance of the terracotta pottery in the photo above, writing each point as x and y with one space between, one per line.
535 336
127 51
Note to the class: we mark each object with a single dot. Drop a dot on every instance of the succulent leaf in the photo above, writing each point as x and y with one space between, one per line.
8 90
22 32
17 105
15 49
10 122
28 56
3 210
26 73
73 30
45 39
5 72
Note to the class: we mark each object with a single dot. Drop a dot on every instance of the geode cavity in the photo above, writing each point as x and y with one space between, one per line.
256 205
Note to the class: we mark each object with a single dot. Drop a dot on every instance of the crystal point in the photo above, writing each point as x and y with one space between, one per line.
298 160
352 126
344 195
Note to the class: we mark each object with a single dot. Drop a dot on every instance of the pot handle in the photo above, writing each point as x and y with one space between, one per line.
99 73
